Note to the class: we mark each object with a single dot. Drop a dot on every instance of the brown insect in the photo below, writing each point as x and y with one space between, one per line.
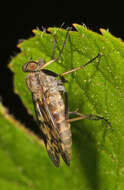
51 110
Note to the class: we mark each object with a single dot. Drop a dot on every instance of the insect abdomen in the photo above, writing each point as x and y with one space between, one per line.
57 108
65 134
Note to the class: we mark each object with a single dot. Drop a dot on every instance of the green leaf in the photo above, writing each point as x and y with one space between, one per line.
98 153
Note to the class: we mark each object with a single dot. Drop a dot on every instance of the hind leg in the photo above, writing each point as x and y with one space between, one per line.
90 117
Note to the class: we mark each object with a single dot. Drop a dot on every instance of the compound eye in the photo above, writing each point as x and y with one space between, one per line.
30 67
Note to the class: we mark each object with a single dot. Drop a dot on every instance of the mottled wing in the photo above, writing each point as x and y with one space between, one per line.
49 132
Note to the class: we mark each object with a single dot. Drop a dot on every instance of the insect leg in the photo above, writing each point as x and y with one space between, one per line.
90 117
66 105
54 45
82 66
61 89
61 52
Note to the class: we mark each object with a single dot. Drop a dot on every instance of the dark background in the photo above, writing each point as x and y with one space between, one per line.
19 26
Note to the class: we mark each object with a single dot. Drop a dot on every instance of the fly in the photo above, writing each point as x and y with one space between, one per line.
50 108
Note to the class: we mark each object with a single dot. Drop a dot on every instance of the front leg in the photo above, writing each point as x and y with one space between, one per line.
61 89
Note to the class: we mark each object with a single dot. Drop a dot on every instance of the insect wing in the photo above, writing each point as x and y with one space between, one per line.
48 130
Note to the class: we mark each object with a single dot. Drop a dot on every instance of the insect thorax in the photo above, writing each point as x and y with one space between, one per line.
37 80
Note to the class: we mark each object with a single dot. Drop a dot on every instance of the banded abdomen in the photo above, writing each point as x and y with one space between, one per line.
57 108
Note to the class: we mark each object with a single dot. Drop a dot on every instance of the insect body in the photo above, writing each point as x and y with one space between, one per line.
50 112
